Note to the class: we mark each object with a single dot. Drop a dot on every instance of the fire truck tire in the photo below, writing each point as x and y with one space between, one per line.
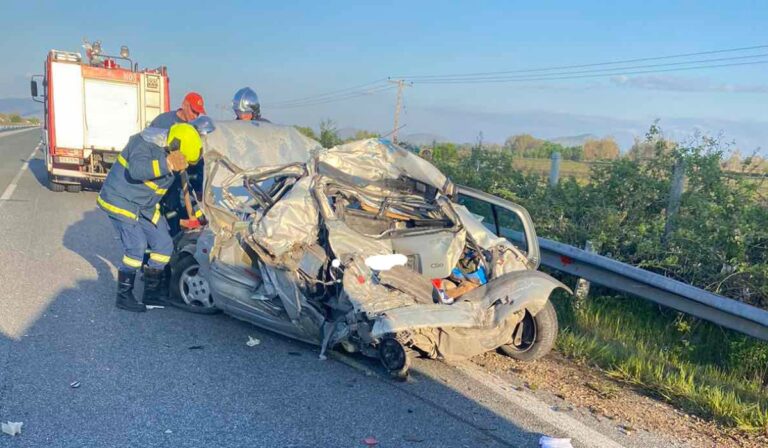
74 188
58 188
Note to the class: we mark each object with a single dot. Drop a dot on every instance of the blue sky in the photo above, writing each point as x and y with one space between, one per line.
289 50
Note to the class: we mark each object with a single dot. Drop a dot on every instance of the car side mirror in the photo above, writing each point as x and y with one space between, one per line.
33 88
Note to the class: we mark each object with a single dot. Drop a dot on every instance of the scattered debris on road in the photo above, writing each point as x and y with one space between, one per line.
252 342
370 441
195 347
168 431
12 428
74 384
155 307
626 429
554 442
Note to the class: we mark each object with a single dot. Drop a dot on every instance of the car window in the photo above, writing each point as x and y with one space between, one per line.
511 227
500 221
481 209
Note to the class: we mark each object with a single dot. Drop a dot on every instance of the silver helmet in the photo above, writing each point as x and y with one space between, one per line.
245 101
203 124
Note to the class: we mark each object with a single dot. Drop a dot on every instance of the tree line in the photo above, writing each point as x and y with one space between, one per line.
14 118
529 147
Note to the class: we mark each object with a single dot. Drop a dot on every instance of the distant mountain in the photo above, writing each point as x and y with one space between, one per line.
464 124
573 140
22 106
423 138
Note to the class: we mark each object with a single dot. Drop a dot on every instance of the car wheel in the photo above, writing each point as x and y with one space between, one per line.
534 336
189 289
74 188
395 358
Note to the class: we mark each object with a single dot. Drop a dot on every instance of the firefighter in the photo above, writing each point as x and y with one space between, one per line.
172 204
246 106
191 108
131 198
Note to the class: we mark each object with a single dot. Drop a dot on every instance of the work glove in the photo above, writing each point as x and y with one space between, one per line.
189 224
176 161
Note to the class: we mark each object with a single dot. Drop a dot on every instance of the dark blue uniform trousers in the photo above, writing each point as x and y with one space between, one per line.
136 236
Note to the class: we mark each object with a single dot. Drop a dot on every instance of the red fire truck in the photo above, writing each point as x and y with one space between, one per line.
92 107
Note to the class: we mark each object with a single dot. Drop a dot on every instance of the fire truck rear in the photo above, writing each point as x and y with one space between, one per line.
91 109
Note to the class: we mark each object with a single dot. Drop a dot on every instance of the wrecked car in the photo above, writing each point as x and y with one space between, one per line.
364 247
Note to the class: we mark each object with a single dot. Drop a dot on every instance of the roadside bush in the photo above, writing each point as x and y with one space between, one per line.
718 241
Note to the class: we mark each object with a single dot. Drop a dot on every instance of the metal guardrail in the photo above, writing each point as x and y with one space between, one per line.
12 127
665 291
632 280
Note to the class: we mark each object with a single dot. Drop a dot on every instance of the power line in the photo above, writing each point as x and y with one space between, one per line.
333 99
327 94
607 71
567 77
536 74
563 67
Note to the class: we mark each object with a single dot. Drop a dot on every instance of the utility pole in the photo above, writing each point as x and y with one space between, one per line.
675 196
400 85
477 151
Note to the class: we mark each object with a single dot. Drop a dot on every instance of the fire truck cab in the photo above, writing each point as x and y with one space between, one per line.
91 109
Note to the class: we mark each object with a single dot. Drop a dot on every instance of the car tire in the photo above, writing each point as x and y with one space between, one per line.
538 337
74 188
395 358
184 268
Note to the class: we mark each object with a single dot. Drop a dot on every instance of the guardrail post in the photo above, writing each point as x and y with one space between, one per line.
582 285
554 169
675 195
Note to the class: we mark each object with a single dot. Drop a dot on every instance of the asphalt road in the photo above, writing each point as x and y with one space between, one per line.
169 378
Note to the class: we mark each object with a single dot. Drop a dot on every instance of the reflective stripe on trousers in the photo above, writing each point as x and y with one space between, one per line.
136 237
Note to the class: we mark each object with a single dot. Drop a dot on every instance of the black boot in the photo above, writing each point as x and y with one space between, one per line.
155 287
125 299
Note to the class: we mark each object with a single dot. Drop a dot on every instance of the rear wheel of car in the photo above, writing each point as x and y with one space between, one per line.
190 290
534 336
74 188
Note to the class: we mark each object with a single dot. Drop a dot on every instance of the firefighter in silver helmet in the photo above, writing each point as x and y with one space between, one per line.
246 106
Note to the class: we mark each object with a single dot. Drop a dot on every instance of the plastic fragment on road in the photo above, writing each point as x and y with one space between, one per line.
155 307
12 428
74 384
370 441
626 430
168 431
385 262
252 342
554 442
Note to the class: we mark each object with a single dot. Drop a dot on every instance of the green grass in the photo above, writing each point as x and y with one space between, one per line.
696 366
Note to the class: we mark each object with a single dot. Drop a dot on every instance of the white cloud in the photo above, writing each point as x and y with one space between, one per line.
684 84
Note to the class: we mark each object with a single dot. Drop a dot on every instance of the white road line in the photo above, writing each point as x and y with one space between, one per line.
18 131
12 186
573 428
